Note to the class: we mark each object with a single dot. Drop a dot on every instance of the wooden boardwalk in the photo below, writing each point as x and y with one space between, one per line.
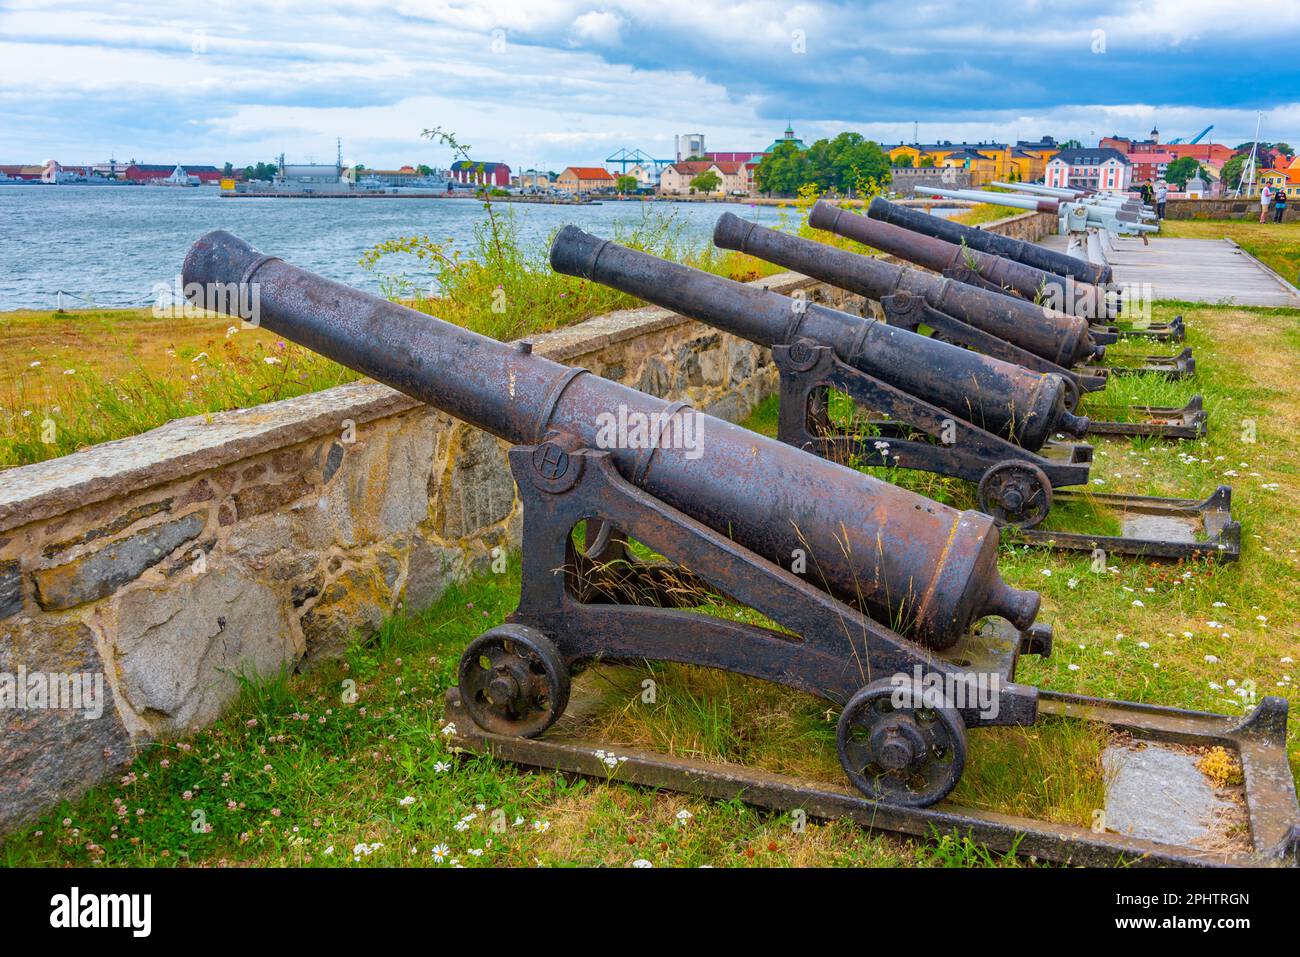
1197 270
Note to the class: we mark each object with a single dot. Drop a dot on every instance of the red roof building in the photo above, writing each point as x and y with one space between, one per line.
1149 167
145 172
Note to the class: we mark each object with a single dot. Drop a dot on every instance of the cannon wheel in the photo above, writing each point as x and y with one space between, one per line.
1016 493
1072 395
897 749
514 681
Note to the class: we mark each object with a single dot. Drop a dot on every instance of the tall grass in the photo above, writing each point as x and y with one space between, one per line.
505 288
501 287
40 419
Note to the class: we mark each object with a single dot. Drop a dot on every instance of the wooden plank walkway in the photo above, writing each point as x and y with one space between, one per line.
1197 270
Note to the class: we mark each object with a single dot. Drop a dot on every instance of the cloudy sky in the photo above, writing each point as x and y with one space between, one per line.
560 83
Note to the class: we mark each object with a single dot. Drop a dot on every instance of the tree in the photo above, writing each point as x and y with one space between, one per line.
927 162
778 172
845 165
904 161
1284 148
1232 171
626 183
706 182
265 171
424 170
1071 145
1181 170
228 170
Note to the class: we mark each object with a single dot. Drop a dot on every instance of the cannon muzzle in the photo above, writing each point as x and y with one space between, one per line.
925 569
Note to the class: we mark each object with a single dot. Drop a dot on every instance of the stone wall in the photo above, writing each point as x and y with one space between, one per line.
903 178
166 564
1243 208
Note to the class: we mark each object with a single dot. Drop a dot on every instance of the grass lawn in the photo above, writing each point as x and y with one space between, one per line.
1276 244
982 213
303 773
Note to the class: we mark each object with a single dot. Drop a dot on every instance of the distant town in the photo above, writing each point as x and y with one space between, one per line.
848 164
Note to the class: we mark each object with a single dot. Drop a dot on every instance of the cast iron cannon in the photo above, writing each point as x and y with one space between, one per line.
1029 253
742 514
937 407
1004 327
1061 293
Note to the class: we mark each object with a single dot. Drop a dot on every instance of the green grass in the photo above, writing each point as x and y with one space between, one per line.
982 213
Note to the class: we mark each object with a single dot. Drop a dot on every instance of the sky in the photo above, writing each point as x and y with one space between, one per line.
552 84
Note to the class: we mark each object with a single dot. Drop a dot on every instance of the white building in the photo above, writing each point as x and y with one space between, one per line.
688 145
1101 168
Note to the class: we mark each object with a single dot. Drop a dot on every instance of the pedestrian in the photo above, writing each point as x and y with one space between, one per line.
1265 201
1162 194
1279 204
1148 196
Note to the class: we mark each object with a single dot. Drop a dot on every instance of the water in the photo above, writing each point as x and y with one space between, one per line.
113 245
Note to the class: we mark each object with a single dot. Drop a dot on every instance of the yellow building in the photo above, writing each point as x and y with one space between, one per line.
1288 179
986 162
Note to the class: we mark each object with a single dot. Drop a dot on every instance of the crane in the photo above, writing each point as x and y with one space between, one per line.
1195 139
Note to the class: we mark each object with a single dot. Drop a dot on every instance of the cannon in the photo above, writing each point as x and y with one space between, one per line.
1060 192
730 511
1006 328
934 407
955 309
1064 294
1117 220
972 310
938 407
1017 249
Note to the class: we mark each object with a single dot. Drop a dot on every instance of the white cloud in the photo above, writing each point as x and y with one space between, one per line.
599 25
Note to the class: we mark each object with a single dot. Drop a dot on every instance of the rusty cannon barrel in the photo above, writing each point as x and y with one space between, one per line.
1063 340
1077 299
1019 250
1006 399
929 570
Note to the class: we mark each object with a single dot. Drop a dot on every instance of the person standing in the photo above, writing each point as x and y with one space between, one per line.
1279 204
1265 201
1162 194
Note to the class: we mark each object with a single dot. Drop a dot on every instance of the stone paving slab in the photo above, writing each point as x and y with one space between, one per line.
1158 794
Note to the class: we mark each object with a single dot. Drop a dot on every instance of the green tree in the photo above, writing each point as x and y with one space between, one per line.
228 170
264 171
1181 170
424 170
927 162
627 183
1232 171
1284 148
1071 145
904 161
706 182
779 171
